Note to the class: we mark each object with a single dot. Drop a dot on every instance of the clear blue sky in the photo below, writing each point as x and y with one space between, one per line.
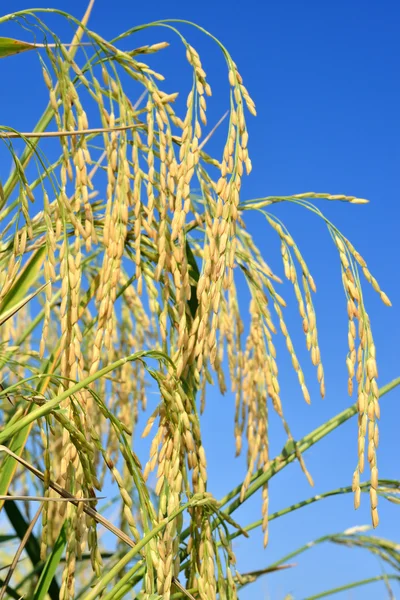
324 76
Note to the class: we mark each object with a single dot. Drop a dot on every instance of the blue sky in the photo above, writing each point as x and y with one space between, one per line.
324 76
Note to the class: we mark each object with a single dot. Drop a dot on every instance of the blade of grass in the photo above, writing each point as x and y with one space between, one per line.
56 134
389 588
7 538
287 456
196 500
288 453
20 527
26 279
25 540
9 47
252 576
50 567
17 444
50 405
4 316
284 511
46 499
350 586
10 591
300 550
87 509
48 114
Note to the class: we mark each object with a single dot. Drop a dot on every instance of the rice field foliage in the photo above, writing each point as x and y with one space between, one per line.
120 254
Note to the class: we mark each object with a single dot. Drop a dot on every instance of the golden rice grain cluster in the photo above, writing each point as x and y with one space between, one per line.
139 235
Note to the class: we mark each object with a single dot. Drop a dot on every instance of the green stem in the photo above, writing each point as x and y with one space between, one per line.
288 453
44 410
46 117
281 561
349 586
293 507
112 573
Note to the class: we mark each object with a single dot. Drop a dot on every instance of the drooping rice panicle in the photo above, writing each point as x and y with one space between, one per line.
140 235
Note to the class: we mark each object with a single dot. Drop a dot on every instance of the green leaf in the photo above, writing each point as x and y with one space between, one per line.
51 565
20 526
352 585
7 538
10 430
25 280
17 444
9 46
10 591
288 454
4 316
195 273
32 547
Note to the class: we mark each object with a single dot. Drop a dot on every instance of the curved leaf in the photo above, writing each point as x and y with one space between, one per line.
9 46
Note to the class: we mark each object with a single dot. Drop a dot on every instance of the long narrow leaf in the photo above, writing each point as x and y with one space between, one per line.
49 570
350 586
9 46
27 278
32 546
5 315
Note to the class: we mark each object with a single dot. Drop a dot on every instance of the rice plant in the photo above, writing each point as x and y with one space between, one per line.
121 248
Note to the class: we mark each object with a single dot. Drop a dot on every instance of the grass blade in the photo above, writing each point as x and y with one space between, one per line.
9 46
4 316
50 567
19 551
350 586
289 454
32 546
26 279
